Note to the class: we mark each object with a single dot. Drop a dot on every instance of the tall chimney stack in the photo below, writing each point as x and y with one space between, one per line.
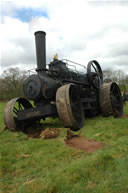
40 50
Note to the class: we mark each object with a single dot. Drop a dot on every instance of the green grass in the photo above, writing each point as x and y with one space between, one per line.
49 166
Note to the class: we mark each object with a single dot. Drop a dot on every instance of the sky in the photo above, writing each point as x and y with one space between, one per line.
78 30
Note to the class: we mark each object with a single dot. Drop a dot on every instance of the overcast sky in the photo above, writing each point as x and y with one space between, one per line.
78 30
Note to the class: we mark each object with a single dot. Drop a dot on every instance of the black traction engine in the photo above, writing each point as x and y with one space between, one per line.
66 90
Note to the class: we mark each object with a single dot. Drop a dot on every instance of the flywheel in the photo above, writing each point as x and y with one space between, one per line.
10 113
111 100
69 107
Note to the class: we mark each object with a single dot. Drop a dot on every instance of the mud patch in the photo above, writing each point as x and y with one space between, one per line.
85 145
80 143
124 116
49 133
32 132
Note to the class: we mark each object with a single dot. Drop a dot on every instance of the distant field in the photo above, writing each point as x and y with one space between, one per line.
29 165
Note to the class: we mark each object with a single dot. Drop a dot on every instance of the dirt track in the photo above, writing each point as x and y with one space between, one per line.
83 144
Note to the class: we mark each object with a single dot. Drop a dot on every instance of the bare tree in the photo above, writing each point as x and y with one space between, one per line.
11 83
108 75
12 77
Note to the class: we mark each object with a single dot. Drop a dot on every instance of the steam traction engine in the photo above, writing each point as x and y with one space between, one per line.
61 91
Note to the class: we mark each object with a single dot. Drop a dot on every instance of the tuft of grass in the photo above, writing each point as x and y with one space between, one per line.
49 166
2 106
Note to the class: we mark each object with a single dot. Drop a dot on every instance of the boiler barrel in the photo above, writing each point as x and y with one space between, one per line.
40 50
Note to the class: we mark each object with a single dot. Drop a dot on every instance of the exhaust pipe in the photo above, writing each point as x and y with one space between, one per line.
40 50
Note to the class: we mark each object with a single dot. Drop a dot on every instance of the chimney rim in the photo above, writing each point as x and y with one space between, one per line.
40 32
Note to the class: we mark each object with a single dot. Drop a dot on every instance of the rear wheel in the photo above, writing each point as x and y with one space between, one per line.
111 100
69 107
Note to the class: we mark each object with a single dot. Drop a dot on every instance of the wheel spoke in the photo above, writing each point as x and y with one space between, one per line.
20 106
114 88
116 112
95 68
117 105
74 108
113 99
15 110
77 114
95 78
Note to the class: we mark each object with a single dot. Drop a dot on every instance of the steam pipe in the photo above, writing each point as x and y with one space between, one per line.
40 50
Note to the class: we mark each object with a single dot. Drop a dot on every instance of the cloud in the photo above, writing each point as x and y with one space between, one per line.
77 30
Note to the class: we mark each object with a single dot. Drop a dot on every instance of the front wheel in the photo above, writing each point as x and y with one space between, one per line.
10 113
69 107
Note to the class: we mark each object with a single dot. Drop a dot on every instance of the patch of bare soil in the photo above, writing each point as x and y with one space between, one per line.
80 143
32 132
124 116
50 134
39 133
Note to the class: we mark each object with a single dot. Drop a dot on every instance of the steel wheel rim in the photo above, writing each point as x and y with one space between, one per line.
116 100
64 106
10 113
74 104
110 100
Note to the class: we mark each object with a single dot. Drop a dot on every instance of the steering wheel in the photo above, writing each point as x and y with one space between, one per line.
94 74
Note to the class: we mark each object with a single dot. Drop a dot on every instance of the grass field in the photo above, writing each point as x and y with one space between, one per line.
29 165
